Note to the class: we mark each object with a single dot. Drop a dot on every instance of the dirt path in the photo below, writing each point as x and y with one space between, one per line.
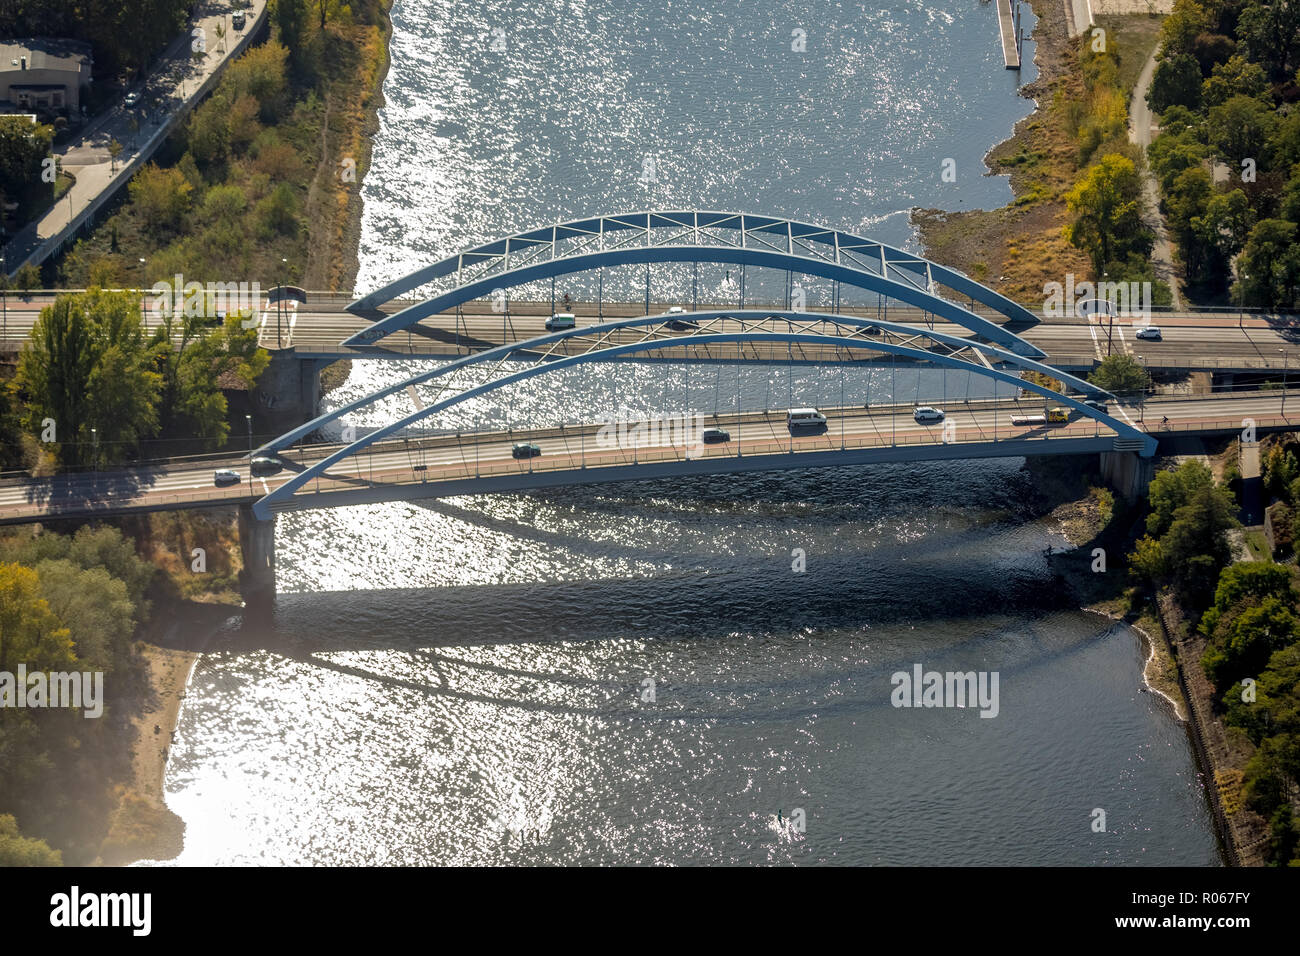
1139 133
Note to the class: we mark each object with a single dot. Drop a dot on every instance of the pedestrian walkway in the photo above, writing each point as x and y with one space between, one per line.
181 78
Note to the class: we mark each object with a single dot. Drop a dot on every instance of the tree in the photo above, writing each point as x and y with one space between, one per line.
95 607
1271 32
53 376
1238 76
23 149
30 633
193 370
1195 547
1176 82
1240 129
86 365
1172 489
1107 204
162 197
1120 374
17 850
1270 264
1185 22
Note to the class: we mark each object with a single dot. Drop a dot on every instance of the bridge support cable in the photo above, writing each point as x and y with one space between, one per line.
598 343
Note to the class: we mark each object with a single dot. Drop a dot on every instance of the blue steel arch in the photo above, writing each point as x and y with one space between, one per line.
750 315
805 248
264 506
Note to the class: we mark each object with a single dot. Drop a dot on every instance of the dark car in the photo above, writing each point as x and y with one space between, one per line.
682 325
261 467
237 19
1096 405
714 436
525 450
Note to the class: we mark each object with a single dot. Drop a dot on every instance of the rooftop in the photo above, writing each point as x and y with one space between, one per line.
44 53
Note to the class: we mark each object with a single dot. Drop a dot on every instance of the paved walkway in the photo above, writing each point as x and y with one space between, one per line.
1140 130
166 95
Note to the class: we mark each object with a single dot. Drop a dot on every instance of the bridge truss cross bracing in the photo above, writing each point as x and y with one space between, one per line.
753 329
693 236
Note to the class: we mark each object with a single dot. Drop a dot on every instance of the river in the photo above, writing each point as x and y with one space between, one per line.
697 671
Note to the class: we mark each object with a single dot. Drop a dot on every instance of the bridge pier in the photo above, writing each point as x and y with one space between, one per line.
257 546
1127 473
290 387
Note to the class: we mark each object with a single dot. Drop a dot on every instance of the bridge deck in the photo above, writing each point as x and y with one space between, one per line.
446 464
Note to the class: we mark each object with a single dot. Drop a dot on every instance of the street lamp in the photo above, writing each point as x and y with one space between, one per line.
279 305
94 438
249 420
1285 367
144 318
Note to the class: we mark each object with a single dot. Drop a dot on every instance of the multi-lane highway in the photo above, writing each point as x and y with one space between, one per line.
189 484
1217 341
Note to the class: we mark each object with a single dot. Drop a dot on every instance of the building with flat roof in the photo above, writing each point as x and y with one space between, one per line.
43 74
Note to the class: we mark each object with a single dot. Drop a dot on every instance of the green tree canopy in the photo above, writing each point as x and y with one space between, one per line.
1107 206
1120 374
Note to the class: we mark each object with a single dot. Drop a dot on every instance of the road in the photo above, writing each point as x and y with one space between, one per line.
190 484
166 95
1224 341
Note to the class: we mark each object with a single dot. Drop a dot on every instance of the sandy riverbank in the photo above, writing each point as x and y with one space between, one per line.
143 827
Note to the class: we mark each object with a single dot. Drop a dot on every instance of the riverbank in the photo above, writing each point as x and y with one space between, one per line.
1020 247
143 827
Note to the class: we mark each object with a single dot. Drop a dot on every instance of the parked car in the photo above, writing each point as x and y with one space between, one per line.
131 99
924 414
1148 332
225 476
714 436
525 450
237 20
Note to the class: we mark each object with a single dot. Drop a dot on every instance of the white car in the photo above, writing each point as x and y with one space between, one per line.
131 99
924 414
225 476
1147 332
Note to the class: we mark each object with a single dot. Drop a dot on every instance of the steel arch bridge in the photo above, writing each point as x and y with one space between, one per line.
705 330
696 236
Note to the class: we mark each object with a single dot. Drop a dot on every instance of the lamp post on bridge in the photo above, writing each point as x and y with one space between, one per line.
1285 368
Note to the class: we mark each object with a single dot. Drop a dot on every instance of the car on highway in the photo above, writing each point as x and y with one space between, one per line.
924 414
262 466
525 450
1147 332
1024 420
561 320
225 476
804 418
1097 405
131 99
714 436
679 325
